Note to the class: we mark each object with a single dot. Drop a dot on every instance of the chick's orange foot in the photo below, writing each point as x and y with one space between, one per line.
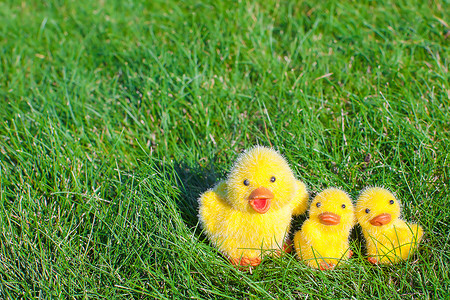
372 260
287 246
245 261
350 253
326 266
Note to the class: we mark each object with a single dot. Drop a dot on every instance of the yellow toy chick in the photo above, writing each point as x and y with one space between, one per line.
388 238
322 241
251 210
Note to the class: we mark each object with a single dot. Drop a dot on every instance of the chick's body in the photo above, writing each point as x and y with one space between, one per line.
238 233
252 209
322 241
389 239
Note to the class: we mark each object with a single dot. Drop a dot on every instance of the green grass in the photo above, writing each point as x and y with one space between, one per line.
116 115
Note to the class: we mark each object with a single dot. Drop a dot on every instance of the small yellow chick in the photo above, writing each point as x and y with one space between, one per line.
322 241
251 210
388 238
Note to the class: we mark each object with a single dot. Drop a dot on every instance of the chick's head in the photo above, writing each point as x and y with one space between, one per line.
332 207
261 180
377 207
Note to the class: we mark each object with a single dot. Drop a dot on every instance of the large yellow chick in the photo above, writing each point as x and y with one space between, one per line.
250 212
322 242
388 238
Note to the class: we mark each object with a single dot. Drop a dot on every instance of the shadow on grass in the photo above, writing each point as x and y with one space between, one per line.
358 243
192 182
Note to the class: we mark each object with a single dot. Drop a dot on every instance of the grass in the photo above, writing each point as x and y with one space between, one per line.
116 115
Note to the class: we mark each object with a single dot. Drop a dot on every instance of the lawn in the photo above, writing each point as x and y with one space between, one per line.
116 115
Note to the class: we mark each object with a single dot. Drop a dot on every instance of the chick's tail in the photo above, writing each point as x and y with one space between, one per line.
417 231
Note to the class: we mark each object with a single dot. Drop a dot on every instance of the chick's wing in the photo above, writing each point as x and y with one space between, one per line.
212 207
300 200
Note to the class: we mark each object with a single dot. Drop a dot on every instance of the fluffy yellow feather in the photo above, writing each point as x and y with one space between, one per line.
322 241
251 210
389 239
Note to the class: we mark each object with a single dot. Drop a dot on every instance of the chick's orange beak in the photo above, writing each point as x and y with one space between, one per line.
329 218
380 220
260 199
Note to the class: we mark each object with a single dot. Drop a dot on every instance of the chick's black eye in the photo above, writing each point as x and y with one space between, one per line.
318 204
391 201
246 182
343 205
272 179
367 210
